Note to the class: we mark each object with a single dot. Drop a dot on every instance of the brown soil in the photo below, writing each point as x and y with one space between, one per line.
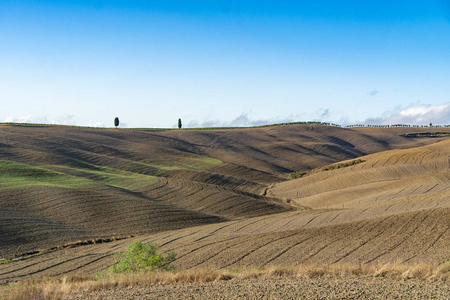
393 207
350 287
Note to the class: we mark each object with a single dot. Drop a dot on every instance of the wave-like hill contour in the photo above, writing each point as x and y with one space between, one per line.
222 197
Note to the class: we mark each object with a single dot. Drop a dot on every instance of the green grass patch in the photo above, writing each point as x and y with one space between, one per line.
20 257
18 175
137 175
123 179
198 163
132 176
4 261
109 176
131 183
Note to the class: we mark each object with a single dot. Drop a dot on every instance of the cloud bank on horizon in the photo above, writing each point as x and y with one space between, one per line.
416 115
58 120
412 115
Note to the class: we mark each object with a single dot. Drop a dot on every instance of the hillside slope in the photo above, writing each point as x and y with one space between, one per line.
387 182
63 184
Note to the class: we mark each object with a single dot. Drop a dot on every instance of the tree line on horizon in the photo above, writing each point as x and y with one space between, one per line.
116 124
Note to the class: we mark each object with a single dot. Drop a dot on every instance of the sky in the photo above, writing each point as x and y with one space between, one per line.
224 63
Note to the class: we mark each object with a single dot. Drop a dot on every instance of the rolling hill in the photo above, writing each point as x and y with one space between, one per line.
221 198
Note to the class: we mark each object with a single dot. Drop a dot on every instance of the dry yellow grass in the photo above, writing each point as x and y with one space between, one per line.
59 288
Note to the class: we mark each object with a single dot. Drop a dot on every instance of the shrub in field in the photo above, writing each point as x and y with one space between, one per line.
425 134
295 175
343 165
140 257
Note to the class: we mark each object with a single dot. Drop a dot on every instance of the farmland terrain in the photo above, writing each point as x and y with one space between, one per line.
286 287
222 198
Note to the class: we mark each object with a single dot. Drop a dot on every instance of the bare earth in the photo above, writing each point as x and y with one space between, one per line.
284 288
223 199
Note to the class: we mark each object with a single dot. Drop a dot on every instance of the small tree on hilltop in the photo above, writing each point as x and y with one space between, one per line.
116 122
179 124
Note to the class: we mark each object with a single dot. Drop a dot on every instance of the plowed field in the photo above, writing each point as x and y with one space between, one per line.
221 198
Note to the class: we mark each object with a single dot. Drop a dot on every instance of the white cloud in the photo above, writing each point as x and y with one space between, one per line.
22 119
57 120
416 115
64 120
96 124
244 120
27 119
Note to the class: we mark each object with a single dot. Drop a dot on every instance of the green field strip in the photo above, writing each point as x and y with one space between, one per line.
18 175
131 176
108 176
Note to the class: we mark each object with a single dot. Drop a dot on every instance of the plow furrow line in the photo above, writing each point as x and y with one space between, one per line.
178 238
259 247
429 247
214 255
215 231
206 245
286 250
403 240
360 246
84 265
48 267
248 224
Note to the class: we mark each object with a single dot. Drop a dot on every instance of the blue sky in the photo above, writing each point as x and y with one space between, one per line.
224 63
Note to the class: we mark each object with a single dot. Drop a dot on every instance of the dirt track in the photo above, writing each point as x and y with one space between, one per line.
284 288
